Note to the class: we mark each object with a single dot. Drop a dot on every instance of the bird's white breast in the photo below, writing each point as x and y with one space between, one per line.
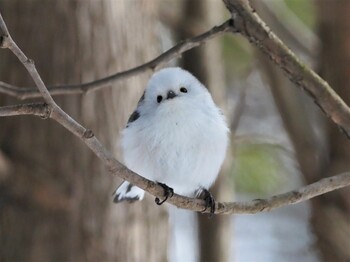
180 145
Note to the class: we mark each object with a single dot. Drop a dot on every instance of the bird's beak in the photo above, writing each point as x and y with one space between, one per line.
171 94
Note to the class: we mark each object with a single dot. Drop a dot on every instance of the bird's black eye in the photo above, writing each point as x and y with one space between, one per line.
159 99
183 90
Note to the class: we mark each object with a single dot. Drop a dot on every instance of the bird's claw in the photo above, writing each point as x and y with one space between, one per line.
168 193
209 202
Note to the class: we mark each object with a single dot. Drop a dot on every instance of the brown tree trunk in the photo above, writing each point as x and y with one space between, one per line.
55 196
332 212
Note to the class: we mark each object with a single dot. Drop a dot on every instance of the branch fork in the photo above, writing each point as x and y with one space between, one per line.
244 20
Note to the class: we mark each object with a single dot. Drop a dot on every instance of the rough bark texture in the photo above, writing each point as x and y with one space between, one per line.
55 196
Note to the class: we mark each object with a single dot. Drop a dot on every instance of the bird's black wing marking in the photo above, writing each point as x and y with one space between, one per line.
129 188
135 115
116 198
141 99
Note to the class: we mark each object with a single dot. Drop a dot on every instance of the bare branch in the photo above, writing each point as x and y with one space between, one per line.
40 109
176 51
320 187
250 25
116 168
14 91
86 135
4 34
249 207
288 26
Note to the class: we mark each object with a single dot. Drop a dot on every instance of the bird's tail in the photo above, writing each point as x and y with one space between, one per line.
128 192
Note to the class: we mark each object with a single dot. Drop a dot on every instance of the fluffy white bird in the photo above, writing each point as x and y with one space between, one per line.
177 137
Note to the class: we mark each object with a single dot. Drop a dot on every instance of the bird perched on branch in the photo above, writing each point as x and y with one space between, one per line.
177 137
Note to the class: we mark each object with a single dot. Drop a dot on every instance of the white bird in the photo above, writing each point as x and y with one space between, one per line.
177 137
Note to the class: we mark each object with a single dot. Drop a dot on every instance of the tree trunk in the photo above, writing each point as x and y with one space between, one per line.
331 212
55 195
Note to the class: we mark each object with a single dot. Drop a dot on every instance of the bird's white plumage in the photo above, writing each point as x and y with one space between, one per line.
180 141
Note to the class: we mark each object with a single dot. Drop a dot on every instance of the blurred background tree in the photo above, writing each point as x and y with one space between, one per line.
195 17
331 212
320 148
55 196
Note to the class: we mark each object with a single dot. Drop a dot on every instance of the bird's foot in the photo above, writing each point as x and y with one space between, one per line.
209 201
168 192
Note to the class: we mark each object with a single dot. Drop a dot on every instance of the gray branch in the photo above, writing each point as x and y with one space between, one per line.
247 22
52 110
37 109
249 207
176 51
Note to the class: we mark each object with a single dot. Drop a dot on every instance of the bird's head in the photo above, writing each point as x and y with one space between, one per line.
171 86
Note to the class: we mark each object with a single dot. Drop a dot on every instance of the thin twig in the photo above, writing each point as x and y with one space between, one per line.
320 187
176 51
116 168
86 135
248 207
37 109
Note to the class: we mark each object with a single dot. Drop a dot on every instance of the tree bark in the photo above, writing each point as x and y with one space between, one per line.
331 212
55 195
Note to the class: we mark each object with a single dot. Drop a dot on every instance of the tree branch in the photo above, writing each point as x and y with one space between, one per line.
288 26
250 25
39 109
176 51
116 168
248 207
